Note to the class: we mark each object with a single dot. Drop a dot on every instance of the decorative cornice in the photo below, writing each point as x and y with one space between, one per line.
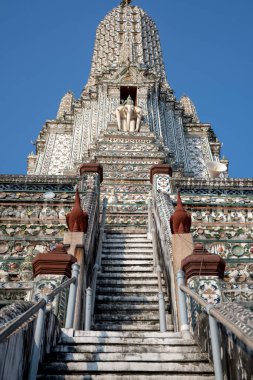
202 263
197 129
92 168
160 169
57 262
46 179
217 183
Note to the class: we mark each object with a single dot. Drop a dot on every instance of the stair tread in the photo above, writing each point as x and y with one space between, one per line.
124 261
119 340
129 317
126 256
111 366
132 289
127 298
162 376
129 268
124 348
129 293
127 240
128 282
122 334
131 357
127 250
130 327
127 275
109 306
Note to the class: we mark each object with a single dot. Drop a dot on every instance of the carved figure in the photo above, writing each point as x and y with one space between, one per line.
180 221
77 219
4 276
125 2
129 116
239 275
112 197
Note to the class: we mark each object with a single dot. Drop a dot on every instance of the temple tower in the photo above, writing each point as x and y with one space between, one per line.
127 61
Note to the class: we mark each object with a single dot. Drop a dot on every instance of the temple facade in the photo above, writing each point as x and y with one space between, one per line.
128 139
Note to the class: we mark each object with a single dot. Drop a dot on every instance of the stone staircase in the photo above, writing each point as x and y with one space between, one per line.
126 298
126 342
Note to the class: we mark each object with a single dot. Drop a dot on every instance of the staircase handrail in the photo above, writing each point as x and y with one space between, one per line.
214 316
92 230
219 317
91 291
152 234
40 308
167 267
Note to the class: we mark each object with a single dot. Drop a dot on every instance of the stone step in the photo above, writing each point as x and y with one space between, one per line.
116 221
121 334
129 307
124 275
122 366
111 249
134 290
129 357
133 376
146 263
125 283
107 348
128 240
127 256
129 317
126 232
124 326
142 299
141 271
126 307
130 235
132 341
123 243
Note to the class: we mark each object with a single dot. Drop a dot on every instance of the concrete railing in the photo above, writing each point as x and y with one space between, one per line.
38 311
152 235
91 290
216 322
92 235
158 228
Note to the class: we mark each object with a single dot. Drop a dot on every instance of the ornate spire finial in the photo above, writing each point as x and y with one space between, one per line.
180 221
77 219
124 3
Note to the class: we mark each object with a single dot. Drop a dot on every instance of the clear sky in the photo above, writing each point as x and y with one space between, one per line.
46 49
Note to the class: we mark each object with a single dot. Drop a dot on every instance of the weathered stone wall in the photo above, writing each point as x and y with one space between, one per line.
15 351
32 221
237 359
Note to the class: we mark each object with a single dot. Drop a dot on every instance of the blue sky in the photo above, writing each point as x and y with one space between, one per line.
46 50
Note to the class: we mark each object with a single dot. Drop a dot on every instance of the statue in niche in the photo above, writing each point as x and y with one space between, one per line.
129 116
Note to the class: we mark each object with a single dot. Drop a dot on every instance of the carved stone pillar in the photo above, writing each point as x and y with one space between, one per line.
182 240
203 272
74 243
93 167
160 177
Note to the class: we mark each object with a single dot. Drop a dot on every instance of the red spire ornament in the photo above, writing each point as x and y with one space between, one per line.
180 221
77 219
